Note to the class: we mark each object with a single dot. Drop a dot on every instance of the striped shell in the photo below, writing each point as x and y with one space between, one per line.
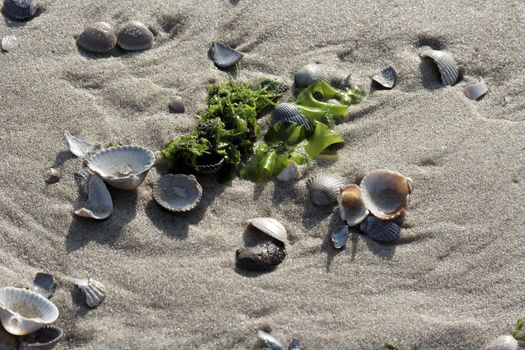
20 9
476 90
379 230
264 256
78 147
93 291
289 112
98 38
177 105
135 36
178 193
224 56
309 74
504 342
270 341
386 77
324 189
99 204
448 68
339 236
8 43
271 227
44 284
351 205
44 339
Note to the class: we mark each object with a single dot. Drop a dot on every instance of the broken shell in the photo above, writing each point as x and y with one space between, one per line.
289 112
177 105
44 339
351 205
44 284
178 193
266 255
386 193
448 68
135 36
324 189
274 85
295 345
23 312
19 9
98 38
270 341
271 227
379 230
8 43
53 176
123 167
340 236
99 204
309 74
94 292
386 78
476 90
224 56
78 147
292 172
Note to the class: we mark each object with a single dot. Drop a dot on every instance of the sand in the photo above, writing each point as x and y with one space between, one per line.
453 281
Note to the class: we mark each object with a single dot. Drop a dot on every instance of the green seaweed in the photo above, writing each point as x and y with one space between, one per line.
517 330
390 346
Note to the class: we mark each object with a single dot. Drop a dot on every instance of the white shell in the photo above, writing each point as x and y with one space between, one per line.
351 205
270 341
78 147
271 227
309 74
324 189
476 90
93 291
292 172
178 193
448 68
44 339
386 193
339 236
379 230
99 204
504 342
123 167
8 43
23 312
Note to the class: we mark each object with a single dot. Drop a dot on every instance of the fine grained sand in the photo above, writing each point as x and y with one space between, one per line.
453 281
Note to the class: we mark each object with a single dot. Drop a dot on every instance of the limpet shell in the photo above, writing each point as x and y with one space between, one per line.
19 9
44 284
135 36
178 193
78 147
98 38
351 205
270 341
379 230
309 74
324 189
99 204
44 339
93 291
224 56
503 342
289 112
386 77
8 43
339 236
295 345
476 90
23 312
448 68
264 256
271 227
177 105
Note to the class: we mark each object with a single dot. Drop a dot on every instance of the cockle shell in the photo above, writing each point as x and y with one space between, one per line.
309 74
123 167
8 43
386 193
386 77
177 105
265 255
504 342
289 112
78 147
224 56
351 205
178 193
99 204
271 342
98 38
44 339
476 90
271 227
93 291
23 312
379 230
324 189
44 284
448 68
295 345
20 9
135 36
339 236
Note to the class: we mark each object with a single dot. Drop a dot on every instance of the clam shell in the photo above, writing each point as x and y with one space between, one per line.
98 38
44 339
224 56
123 167
98 205
476 90
177 105
270 341
295 345
44 284
386 77
448 68
93 291
271 227
8 43
178 193
379 230
289 112
504 342
19 9
386 193
78 147
135 36
53 176
274 85
351 205
340 236
309 74
264 256
324 189
23 312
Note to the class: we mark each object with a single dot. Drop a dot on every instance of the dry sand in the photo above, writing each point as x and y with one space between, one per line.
453 281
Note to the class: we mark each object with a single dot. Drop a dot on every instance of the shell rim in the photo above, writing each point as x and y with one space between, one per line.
192 179
46 301
147 167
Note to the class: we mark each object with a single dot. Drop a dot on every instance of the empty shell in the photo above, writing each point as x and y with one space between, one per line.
135 36
309 74
177 105
99 204
386 77
8 43
448 68
289 112
295 345
324 189
340 236
224 56
44 284
98 38
53 176
379 230
351 205
20 9
44 339
93 291
476 90
271 227
264 256
271 342
504 342
78 147
178 193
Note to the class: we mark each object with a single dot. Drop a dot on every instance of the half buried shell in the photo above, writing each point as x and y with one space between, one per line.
178 193
93 291
271 227
98 38
379 230
476 90
44 284
309 74
135 36
20 9
290 113
351 205
448 68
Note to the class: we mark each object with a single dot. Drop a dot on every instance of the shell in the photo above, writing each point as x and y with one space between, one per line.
53 176
44 339
504 342
207 168
94 292
98 38
177 105
178 193
324 189
20 9
295 345
271 227
135 36
292 172
224 56
339 236
476 90
386 78
271 342
8 43
379 230
264 256
351 205
98 205
274 85
44 284
386 193
78 147
123 167
448 68
309 74
23 312
289 112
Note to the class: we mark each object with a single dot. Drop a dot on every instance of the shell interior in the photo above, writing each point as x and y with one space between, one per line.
290 113
476 90
351 205
93 291
99 204
177 105
135 36
78 147
448 68
8 43
98 38
270 340
178 193
309 74
44 284
20 9
386 77
224 56
339 236
379 230
324 189
271 227
43 339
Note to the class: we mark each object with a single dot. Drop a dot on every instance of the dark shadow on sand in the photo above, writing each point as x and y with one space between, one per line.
429 73
61 158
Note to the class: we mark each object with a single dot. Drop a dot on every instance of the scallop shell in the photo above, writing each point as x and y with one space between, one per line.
386 77
264 256
292 172
123 167
53 176
23 312
44 284
324 189
8 43
271 227
98 205
379 230
44 339
98 38
135 36
504 342
271 342
19 9
178 193
351 205
476 90
289 112
295 345
309 74
94 292
339 236
224 56
177 105
448 68
386 193
78 147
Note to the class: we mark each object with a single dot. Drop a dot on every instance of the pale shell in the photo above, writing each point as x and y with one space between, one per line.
8 43
339 236
289 112
264 256
504 342
351 205
44 339
135 36
448 68
224 56
386 193
292 172
324 189
386 77
309 74
98 38
78 147
19 9
99 204
178 193
476 90
23 312
93 291
271 227
177 105
271 342
124 167
44 284
379 230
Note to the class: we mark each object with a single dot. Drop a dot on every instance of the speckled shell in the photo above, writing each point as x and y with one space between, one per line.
270 341
339 236
351 206
178 193
264 256
309 74
504 342
23 312
177 105
8 43
44 284
271 227
44 339
93 291
379 230
224 56
386 77
99 204
78 147
476 90
289 112
324 189
448 68
19 9
98 38
135 36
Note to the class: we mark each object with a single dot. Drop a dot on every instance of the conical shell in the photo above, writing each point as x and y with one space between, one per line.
379 230
295 345
224 56
19 9
78 147
309 74
98 38
44 284
177 105
264 256
135 36
386 77
448 68
271 342
123 167
351 205
386 193
289 112
504 342
94 292
271 227
44 339
476 90
99 204
340 236
23 312
8 43
178 193
324 189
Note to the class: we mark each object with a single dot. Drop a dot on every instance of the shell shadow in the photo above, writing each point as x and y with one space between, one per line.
327 245
429 74
283 191
313 215
61 158
385 251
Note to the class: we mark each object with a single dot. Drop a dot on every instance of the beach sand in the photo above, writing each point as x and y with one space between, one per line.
455 278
